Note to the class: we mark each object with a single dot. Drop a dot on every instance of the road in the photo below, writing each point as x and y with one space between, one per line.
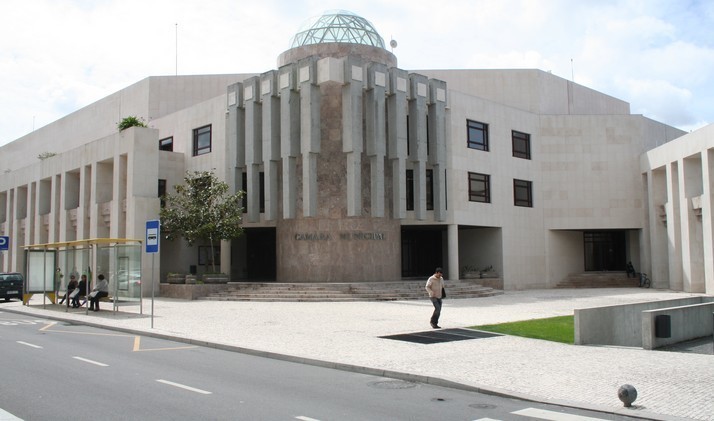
59 371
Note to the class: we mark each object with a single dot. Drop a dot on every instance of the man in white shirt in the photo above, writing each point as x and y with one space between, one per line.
434 286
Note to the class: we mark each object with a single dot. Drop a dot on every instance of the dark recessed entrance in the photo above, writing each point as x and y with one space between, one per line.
442 335
422 250
261 254
605 250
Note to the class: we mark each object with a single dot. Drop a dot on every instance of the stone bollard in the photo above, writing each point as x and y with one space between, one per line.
627 394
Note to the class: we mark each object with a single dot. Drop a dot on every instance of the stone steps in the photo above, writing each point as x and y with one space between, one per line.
362 291
599 280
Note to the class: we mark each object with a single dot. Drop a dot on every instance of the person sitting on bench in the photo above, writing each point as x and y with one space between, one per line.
99 291
70 287
81 291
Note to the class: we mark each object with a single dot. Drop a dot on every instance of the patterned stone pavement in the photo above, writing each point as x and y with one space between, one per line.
348 335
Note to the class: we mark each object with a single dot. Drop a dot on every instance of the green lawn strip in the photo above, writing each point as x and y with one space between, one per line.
557 329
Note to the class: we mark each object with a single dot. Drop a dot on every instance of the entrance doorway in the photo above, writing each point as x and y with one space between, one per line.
422 250
605 250
261 254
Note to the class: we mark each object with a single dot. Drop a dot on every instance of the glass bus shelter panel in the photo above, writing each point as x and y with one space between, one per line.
40 271
71 262
124 269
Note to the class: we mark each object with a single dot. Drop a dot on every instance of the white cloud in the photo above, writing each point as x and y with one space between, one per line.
59 55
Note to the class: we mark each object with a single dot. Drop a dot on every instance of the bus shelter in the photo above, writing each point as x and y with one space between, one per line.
50 266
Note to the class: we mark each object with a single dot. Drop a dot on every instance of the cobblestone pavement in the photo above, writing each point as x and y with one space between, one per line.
346 335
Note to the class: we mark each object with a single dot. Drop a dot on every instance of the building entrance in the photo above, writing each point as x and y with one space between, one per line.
422 250
605 250
261 253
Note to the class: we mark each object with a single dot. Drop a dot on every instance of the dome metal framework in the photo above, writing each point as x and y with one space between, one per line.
338 26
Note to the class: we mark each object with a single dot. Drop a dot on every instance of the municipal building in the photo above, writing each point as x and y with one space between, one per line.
357 170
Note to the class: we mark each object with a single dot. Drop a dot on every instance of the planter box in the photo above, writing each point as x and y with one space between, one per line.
190 292
215 279
176 278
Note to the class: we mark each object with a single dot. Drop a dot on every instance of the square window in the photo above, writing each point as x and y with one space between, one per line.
202 140
523 193
521 144
477 135
166 144
479 187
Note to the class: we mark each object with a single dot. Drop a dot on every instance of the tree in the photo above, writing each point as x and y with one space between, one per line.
202 209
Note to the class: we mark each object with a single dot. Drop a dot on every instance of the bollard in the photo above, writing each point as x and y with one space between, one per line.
627 394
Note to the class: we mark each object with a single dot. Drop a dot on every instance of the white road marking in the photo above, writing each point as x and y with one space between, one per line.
183 386
303 418
29 344
6 416
487 419
91 362
552 415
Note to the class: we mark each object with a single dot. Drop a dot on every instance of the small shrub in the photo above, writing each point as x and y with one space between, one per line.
131 121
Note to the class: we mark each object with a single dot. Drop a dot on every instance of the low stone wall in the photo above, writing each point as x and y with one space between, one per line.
621 325
685 322
189 291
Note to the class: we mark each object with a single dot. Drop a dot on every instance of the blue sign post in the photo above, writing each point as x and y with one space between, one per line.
152 246
4 242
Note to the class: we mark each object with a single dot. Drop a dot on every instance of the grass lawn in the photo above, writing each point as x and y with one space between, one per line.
557 329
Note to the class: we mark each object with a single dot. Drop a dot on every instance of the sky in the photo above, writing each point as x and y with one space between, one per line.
57 56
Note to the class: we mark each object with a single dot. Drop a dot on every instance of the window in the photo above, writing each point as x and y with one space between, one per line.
477 134
479 187
202 140
521 144
429 190
261 191
523 193
410 190
162 192
166 144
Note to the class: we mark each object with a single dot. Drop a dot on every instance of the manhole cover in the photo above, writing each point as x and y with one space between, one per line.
393 384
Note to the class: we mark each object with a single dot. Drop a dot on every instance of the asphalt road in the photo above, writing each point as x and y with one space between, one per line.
59 371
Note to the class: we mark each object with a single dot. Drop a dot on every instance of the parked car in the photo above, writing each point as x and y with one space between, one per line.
11 285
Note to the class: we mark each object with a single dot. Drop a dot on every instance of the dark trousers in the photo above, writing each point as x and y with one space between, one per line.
437 310
94 301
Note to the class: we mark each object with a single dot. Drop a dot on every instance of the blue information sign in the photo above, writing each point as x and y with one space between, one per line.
4 242
152 236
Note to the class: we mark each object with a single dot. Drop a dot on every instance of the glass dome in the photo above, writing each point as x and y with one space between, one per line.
337 26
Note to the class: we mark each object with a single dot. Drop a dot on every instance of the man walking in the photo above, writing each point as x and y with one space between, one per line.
434 286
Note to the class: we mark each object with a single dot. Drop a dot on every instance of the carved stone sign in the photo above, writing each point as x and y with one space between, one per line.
345 236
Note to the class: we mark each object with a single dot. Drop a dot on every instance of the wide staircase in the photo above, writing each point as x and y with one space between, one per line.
358 291
599 280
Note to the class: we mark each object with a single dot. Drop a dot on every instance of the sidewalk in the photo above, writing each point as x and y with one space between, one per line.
346 335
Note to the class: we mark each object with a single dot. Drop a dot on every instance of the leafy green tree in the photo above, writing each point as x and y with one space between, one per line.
202 209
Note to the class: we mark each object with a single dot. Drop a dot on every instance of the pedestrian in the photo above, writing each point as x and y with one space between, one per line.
435 287
99 291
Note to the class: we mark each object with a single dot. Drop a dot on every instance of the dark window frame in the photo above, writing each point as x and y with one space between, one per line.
477 135
479 195
522 188
521 144
166 144
198 135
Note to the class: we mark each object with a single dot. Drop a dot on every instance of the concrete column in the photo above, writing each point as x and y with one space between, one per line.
271 141
289 136
674 227
253 146
352 135
309 133
56 200
690 203
397 138
16 202
376 135
30 217
418 90
437 145
235 137
453 244
707 221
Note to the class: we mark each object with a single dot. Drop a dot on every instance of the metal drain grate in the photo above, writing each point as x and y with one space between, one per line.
439 336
